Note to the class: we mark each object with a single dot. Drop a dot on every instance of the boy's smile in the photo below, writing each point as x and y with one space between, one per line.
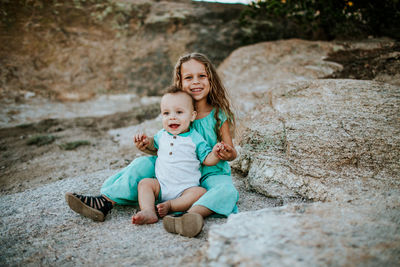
174 125
177 112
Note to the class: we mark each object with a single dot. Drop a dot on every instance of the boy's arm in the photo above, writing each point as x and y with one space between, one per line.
212 158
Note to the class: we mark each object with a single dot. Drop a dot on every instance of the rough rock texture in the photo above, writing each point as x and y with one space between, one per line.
323 140
317 139
255 68
317 234
334 141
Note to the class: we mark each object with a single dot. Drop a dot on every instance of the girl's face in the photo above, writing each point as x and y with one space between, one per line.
195 80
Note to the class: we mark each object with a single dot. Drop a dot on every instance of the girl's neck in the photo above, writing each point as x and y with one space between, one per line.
203 109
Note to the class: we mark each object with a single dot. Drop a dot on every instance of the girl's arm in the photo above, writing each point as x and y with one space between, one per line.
228 152
145 144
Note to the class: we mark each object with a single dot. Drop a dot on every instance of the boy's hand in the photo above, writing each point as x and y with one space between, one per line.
217 148
141 141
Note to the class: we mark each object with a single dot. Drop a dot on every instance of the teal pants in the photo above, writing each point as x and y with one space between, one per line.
221 196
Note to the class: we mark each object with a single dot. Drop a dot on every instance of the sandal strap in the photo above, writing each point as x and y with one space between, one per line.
99 203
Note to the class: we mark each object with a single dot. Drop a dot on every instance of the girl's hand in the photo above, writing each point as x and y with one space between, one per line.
141 141
226 152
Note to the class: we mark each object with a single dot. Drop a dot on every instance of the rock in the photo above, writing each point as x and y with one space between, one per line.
335 142
308 138
323 140
317 234
255 68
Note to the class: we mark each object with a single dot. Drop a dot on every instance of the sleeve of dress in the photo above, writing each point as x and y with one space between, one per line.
222 117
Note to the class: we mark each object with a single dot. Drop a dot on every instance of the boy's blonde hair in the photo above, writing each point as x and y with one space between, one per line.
218 96
172 89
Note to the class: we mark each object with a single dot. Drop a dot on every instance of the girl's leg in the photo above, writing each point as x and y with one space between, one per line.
202 210
220 198
148 191
122 187
182 203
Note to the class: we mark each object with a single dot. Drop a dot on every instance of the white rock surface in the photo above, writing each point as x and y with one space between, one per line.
317 234
324 140
333 141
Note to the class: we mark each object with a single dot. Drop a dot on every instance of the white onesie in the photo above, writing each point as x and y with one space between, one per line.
178 161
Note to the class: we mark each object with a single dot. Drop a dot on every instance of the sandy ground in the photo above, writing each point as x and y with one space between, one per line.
38 228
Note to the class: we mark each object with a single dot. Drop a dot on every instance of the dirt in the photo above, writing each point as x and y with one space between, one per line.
72 143
367 64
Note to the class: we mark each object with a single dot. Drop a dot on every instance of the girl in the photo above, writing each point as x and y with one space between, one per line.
215 121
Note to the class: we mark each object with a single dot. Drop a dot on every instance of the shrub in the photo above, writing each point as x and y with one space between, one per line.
75 144
40 140
319 20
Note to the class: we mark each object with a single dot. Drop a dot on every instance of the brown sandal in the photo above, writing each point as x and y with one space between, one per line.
188 224
95 208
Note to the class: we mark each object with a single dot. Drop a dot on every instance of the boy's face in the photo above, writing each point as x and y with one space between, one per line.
177 112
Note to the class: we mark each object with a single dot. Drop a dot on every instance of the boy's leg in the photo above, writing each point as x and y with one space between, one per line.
148 190
182 203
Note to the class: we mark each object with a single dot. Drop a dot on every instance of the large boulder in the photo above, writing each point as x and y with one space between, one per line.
335 142
304 137
317 234
323 140
257 68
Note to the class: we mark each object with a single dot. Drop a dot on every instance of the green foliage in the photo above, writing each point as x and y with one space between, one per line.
74 145
40 140
312 19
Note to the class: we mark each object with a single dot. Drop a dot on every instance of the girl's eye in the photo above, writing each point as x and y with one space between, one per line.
188 77
203 75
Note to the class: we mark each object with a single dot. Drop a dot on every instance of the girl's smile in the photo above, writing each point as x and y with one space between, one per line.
195 80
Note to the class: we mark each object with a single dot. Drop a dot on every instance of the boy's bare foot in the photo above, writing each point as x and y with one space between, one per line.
145 217
164 208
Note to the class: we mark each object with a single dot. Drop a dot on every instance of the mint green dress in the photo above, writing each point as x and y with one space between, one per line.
221 196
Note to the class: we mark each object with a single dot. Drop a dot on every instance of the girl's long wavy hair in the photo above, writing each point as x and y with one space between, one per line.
218 96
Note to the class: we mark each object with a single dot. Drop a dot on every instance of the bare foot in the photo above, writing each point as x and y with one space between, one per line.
163 208
145 217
